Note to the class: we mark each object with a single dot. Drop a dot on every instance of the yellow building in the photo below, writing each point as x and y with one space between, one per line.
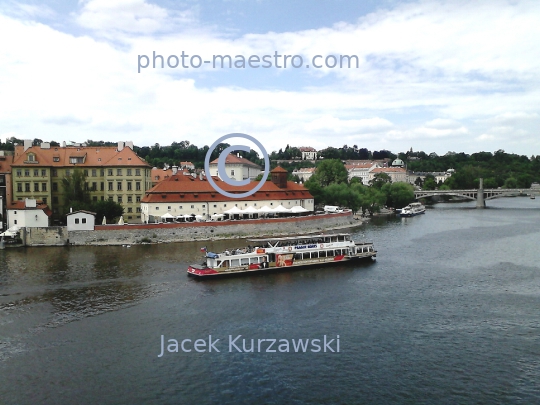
112 173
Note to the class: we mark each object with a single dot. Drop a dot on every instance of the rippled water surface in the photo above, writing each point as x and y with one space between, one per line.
449 313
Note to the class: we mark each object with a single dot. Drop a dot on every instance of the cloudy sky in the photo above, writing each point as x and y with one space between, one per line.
436 76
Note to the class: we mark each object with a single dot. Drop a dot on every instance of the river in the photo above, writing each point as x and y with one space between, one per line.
447 314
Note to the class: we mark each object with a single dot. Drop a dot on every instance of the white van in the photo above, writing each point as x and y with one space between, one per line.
332 208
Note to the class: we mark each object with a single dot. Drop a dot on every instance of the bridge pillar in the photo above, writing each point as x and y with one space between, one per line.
480 202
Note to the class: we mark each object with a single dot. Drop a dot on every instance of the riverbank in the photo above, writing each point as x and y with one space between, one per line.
104 235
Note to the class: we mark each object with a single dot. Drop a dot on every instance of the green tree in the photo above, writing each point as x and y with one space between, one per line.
379 180
510 183
398 194
429 183
108 209
330 171
76 195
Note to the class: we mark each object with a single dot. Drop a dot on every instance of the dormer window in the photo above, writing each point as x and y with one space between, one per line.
56 159
31 157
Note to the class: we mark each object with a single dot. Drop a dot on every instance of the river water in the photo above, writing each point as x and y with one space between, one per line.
447 314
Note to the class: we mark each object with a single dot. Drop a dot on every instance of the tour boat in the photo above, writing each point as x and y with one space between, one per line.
282 254
412 209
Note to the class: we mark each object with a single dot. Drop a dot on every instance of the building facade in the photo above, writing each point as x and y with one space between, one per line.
308 153
193 195
361 169
28 213
396 174
112 173
5 187
237 168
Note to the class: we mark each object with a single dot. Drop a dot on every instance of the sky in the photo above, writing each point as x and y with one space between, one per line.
435 76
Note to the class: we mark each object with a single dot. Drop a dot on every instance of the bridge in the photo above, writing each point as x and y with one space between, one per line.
479 195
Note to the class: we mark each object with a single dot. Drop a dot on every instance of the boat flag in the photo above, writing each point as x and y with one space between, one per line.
203 249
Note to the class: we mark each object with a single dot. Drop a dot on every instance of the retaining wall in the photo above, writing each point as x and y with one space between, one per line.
159 233
46 236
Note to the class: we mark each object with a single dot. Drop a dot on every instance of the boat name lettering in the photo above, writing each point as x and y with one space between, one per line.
305 246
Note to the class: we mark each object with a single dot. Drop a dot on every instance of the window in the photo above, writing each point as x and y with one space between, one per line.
129 186
232 172
130 209
19 187
102 172
138 186
138 198
129 172
68 172
192 206
180 207
157 208
86 172
86 185
54 173
83 220
26 186
118 172
43 186
55 186
94 198
43 172
76 220
130 199
110 186
56 159
119 186
215 205
15 222
36 186
36 172
30 157
109 172
138 209
137 172
94 173
169 208
26 173
102 186
119 198
55 200
94 186
204 205
111 198
44 199
19 173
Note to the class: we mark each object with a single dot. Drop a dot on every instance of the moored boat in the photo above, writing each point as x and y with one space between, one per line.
412 209
284 253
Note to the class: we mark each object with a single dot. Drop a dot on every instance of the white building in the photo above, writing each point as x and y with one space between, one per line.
186 195
237 168
308 153
28 213
304 173
396 173
81 221
361 170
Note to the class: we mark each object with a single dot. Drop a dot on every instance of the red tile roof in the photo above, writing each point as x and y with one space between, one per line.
389 170
278 169
232 159
306 149
180 188
20 205
93 156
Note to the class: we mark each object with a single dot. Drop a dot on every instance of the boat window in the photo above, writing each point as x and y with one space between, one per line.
329 253
235 263
254 260
314 255
298 256
322 253
244 261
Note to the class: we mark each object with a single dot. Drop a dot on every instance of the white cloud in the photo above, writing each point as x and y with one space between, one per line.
475 64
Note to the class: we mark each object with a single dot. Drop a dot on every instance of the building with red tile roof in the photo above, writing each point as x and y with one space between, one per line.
194 195
237 168
28 213
112 173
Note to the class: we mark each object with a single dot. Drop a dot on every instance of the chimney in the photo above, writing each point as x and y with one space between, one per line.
175 170
27 144
120 146
63 144
70 209
129 144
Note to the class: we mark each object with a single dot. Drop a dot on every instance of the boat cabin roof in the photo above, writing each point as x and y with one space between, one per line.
291 238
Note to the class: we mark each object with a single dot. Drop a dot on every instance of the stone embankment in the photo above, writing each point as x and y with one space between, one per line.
182 232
